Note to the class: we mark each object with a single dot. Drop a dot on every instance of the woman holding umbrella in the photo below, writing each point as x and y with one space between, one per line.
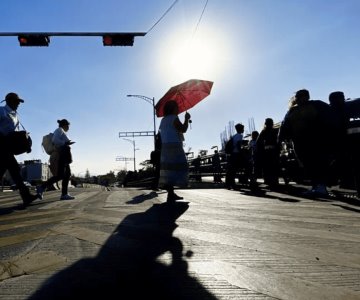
173 162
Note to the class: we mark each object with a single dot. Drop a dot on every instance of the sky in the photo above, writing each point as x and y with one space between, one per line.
257 53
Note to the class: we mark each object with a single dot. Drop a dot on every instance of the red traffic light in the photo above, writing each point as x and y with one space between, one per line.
120 39
34 40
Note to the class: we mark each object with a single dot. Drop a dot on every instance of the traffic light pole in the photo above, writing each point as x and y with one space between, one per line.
42 39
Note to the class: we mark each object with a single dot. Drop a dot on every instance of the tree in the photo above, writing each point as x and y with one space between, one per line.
87 175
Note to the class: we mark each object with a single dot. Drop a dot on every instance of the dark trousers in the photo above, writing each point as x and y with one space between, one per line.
155 183
270 166
9 162
64 174
233 166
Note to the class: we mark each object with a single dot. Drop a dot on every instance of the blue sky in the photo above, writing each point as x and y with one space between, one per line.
257 53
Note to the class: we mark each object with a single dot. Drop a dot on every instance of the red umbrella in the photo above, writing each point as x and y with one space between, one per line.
186 94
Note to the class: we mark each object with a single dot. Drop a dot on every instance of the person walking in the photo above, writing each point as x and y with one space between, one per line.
155 160
9 122
254 171
173 163
311 125
60 160
268 151
234 158
216 164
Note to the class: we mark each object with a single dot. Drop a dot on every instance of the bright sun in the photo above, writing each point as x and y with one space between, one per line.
202 57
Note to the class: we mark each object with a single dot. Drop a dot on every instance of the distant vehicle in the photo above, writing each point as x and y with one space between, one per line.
14 186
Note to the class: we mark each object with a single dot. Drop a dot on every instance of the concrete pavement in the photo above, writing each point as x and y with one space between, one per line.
214 244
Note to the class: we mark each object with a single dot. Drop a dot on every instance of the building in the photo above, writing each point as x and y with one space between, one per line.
35 170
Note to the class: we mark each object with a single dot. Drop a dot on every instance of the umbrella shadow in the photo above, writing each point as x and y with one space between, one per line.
128 264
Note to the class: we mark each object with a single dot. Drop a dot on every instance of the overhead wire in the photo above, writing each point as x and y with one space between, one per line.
163 15
202 13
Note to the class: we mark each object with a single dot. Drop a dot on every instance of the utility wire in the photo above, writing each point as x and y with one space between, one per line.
197 25
163 15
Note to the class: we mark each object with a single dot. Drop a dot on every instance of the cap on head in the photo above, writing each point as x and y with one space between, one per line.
13 97
63 122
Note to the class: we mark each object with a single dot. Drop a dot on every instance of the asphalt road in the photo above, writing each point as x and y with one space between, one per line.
215 244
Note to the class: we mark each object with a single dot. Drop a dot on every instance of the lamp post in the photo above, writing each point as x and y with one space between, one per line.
133 142
151 101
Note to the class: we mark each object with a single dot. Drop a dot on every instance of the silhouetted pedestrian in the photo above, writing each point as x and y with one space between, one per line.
216 164
234 159
268 152
311 125
60 161
9 123
254 169
173 162
155 160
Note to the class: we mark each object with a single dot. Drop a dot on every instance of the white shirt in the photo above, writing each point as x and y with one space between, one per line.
237 139
9 120
168 132
60 138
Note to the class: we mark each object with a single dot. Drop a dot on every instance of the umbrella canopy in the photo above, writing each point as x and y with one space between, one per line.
186 94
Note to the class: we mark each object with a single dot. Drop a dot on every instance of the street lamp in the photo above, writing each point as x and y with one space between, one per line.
133 142
213 147
151 101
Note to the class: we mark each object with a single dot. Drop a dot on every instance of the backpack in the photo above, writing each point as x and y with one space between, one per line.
229 146
47 143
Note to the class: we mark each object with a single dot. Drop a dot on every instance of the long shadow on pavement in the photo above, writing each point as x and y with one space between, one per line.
127 267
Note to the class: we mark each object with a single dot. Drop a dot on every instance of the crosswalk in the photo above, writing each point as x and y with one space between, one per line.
235 246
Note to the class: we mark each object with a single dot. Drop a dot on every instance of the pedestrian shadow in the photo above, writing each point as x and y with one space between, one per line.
347 208
128 264
265 194
141 198
11 209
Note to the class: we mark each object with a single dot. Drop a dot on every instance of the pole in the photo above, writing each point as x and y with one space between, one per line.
134 156
152 102
133 142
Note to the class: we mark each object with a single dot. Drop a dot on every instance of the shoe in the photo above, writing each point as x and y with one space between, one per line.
28 199
66 197
173 198
40 192
177 197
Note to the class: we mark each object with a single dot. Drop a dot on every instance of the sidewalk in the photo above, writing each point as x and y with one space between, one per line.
215 244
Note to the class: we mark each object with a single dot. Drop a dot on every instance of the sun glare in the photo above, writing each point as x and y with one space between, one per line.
201 57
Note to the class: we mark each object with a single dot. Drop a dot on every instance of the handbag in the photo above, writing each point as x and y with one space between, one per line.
19 142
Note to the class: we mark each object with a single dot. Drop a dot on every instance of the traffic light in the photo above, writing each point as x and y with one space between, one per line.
118 39
38 40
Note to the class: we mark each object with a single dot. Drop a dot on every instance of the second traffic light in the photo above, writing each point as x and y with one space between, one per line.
38 40
120 39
